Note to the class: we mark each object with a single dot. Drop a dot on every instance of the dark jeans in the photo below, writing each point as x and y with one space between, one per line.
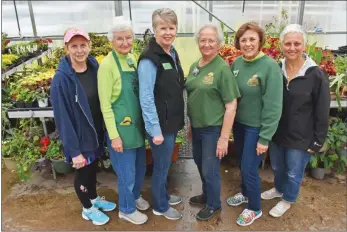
161 163
288 166
130 166
85 184
246 139
204 154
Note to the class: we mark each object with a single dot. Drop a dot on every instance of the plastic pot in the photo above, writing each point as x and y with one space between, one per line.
60 166
10 163
43 103
20 104
318 173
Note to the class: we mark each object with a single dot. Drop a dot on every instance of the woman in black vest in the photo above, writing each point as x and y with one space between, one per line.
161 83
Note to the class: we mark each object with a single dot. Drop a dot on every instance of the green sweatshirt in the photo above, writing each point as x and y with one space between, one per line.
109 88
260 83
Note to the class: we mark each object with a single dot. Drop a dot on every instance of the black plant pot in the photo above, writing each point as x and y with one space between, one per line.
33 104
20 104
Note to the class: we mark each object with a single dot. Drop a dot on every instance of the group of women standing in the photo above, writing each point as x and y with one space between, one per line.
283 108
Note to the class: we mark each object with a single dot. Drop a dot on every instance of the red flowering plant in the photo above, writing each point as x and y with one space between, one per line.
44 142
43 43
272 48
229 53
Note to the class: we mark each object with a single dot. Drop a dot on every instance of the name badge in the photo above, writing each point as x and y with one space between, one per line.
167 66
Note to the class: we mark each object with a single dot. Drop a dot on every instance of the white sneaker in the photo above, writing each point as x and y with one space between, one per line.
279 209
136 217
271 194
142 204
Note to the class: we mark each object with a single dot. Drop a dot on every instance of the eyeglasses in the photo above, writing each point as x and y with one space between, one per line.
121 40
209 41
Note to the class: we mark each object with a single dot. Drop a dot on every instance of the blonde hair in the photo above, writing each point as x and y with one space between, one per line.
165 14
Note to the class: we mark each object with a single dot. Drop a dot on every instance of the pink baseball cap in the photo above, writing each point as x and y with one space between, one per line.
73 32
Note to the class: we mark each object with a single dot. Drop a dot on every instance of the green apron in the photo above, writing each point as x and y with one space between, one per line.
127 110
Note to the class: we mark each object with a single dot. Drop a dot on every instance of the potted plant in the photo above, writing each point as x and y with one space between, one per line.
7 156
320 163
55 154
331 155
42 98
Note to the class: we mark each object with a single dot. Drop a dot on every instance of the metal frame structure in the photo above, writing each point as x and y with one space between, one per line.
119 12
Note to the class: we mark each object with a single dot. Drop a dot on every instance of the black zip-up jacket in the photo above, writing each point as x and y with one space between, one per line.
168 89
306 104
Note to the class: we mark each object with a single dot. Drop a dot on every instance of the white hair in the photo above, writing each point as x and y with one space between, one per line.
214 27
120 24
293 28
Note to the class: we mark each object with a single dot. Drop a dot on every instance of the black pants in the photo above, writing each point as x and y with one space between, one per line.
85 184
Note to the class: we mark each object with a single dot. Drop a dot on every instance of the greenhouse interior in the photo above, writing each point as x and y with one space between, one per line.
38 179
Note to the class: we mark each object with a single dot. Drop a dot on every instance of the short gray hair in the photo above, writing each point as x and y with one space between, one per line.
214 27
120 25
165 14
293 28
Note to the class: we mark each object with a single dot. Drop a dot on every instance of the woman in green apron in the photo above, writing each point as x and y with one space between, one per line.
118 93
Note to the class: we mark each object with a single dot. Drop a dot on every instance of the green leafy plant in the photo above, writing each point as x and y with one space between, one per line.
341 64
23 149
274 28
338 86
336 140
314 52
55 150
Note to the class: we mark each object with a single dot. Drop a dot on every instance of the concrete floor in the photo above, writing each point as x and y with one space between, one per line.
45 204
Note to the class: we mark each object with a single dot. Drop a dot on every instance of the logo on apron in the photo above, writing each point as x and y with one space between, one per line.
126 121
253 81
208 80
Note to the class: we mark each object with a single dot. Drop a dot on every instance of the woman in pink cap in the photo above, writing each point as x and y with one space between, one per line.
77 114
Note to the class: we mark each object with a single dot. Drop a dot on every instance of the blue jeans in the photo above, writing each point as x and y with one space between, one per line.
204 153
288 166
246 139
161 155
130 166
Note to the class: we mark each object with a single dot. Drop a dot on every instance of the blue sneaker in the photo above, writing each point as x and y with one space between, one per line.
104 205
96 216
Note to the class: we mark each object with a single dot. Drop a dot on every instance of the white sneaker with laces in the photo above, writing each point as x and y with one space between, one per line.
271 194
279 209
136 217
141 204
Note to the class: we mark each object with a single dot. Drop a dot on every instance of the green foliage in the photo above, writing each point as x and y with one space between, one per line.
336 140
24 149
341 64
100 45
55 150
336 82
315 53
274 28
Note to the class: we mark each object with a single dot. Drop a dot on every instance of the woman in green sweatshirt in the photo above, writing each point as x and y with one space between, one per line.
120 106
259 109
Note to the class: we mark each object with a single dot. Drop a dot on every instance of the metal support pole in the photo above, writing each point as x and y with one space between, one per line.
210 8
243 6
213 15
300 17
131 18
32 18
118 8
15 10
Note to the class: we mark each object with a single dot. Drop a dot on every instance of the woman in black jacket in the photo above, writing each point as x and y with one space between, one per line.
304 123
